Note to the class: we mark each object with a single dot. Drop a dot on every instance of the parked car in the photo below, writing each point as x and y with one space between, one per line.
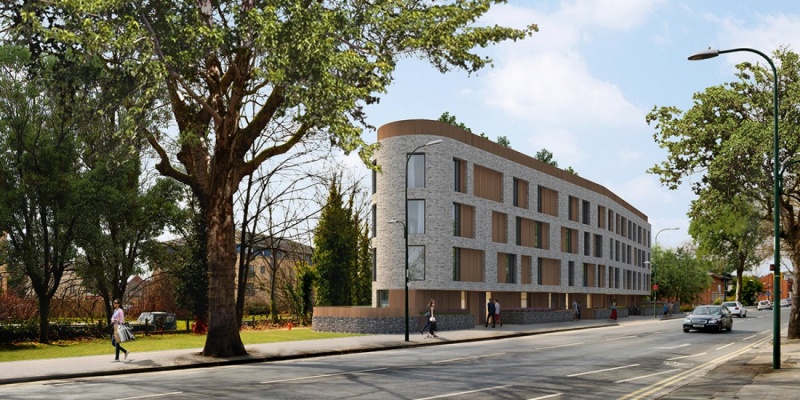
155 321
764 305
786 302
736 308
709 317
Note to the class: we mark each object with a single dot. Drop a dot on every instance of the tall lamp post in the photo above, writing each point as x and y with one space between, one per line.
776 334
655 288
405 224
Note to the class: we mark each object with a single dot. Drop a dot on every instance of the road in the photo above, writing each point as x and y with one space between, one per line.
646 359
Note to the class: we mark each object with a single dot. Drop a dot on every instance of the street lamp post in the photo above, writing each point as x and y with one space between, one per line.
655 288
405 224
776 334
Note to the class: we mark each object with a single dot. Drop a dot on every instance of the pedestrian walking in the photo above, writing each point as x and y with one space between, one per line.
576 305
431 320
666 309
490 308
117 319
497 313
613 316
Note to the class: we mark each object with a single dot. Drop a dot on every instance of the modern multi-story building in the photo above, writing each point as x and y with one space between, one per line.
486 221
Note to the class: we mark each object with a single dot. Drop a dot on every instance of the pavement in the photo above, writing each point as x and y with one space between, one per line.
764 382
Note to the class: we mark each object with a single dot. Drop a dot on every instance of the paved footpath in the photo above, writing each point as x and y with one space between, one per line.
783 383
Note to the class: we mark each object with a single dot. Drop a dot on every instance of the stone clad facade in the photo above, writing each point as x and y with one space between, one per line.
548 238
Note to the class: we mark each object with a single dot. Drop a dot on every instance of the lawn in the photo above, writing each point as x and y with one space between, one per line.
36 351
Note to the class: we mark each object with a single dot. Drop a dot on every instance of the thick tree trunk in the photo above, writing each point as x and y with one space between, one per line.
44 319
223 338
794 313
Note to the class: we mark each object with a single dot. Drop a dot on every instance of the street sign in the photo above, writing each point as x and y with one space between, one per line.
655 287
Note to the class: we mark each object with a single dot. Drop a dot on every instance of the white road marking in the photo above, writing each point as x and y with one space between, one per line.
749 337
324 375
729 344
622 337
603 370
691 355
647 376
460 393
467 358
561 345
549 396
674 347
149 395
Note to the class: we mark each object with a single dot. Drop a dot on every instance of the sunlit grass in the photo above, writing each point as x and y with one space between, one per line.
36 351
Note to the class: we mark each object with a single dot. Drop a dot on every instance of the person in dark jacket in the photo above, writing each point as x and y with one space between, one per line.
490 314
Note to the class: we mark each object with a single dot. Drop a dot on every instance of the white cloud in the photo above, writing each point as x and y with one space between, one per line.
628 155
545 78
562 143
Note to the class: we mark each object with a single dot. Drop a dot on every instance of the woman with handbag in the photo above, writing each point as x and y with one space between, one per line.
117 319
431 319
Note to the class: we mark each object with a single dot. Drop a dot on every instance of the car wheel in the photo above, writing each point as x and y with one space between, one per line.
685 329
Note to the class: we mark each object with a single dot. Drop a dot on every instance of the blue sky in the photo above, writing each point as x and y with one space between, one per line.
582 85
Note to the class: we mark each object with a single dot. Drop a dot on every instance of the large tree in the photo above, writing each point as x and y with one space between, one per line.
335 249
230 68
726 138
730 229
41 175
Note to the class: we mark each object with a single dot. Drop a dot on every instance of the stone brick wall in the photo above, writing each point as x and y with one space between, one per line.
389 325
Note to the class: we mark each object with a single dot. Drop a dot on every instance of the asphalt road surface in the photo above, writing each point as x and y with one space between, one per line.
644 360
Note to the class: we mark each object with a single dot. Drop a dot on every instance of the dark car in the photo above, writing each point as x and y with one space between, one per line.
710 317
155 321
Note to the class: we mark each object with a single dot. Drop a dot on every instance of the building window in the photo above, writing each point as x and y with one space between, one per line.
416 217
488 183
374 228
459 175
571 273
374 264
263 270
585 275
416 263
520 189
250 289
587 244
499 227
506 268
547 200
456 264
467 265
586 215
511 268
374 177
251 271
456 219
416 171
463 220
598 246
383 298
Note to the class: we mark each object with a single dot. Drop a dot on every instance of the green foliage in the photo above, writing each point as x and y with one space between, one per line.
546 156
230 72
335 250
728 134
503 141
751 287
451 119
191 272
28 331
362 283
679 274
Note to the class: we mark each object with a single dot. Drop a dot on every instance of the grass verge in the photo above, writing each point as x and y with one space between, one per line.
37 351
